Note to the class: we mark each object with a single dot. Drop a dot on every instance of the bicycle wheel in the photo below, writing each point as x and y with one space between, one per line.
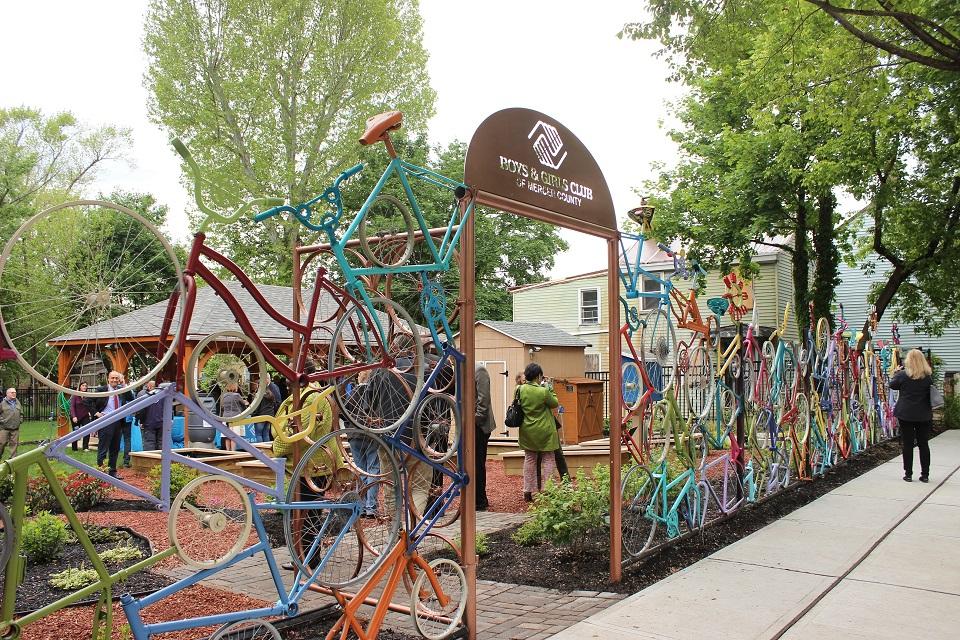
255 629
381 396
209 521
322 526
631 385
658 348
386 232
699 381
437 423
639 510
434 544
426 484
438 601
84 284
225 361
7 539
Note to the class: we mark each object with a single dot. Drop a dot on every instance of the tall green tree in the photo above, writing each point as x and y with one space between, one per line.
926 32
44 159
786 112
273 95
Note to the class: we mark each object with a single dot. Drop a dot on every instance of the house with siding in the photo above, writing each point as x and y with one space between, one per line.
856 281
578 304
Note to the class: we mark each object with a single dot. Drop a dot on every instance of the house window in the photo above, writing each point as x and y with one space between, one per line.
592 362
649 286
589 306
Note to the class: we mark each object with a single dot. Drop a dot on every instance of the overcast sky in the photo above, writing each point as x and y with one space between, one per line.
562 58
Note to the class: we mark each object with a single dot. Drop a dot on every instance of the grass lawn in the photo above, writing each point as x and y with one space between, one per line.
37 430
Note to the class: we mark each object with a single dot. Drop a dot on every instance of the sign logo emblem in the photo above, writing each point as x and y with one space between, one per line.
547 144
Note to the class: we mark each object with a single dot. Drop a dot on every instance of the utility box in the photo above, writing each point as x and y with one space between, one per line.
581 409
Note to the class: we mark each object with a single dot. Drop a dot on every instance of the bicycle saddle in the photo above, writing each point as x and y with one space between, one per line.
379 125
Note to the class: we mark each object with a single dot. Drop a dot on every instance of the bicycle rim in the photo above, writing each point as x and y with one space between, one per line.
383 395
323 533
386 232
87 282
638 527
437 604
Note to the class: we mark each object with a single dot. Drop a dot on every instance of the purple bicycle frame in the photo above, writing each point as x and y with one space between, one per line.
56 450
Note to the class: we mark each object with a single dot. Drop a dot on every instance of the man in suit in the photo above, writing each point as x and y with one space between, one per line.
485 425
108 446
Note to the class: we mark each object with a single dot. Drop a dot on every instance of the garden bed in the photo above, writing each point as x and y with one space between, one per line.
35 592
587 568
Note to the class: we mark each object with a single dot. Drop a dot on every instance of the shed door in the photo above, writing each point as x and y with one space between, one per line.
498 393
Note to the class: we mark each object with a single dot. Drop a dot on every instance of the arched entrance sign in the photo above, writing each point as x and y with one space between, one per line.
525 162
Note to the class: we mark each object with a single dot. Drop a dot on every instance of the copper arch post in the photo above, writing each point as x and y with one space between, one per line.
524 162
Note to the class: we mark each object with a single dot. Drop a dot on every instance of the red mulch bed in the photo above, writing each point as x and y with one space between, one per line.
77 622
505 494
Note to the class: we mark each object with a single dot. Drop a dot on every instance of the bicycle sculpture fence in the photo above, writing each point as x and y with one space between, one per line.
806 405
361 501
358 501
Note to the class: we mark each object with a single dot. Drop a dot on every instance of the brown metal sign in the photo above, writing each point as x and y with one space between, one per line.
523 161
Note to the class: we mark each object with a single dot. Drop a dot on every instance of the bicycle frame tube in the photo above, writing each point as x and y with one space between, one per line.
287 602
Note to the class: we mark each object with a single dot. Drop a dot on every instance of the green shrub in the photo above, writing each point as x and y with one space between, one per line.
567 514
180 475
481 543
6 488
123 553
40 496
44 537
951 412
85 492
102 535
73 579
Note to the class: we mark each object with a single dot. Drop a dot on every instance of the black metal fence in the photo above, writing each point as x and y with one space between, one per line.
39 403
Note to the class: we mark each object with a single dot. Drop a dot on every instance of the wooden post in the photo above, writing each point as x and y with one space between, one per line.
468 520
613 333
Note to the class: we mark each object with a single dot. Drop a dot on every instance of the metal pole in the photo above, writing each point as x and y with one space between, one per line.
468 520
613 333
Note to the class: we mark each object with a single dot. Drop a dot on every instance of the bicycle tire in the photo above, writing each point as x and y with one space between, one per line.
240 363
699 381
434 544
316 476
255 629
424 487
658 347
433 618
387 247
631 385
437 425
100 267
638 524
390 394
197 508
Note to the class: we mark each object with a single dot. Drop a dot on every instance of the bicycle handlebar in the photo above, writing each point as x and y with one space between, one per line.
303 212
212 215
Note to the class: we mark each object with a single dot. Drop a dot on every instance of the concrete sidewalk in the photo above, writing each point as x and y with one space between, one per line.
876 558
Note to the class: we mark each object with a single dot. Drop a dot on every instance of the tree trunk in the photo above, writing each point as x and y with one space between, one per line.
801 263
826 274
897 277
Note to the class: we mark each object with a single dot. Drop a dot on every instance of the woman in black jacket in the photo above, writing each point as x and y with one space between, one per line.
913 411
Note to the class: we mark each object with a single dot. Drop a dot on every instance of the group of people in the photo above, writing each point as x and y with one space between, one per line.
539 437
539 432
233 403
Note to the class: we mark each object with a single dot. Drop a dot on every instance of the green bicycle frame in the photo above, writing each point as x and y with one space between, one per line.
16 566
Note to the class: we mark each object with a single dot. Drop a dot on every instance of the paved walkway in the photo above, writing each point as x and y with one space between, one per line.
876 558
504 611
